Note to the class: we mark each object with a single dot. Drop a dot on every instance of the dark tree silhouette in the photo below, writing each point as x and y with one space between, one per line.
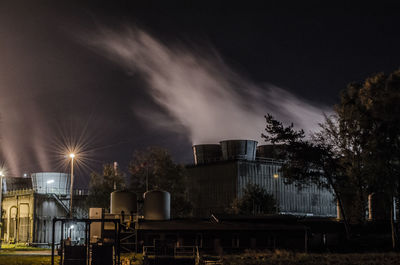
154 168
255 201
102 184
307 162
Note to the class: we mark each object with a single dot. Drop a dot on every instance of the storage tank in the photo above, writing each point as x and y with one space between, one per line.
276 151
51 183
123 201
206 153
157 205
238 149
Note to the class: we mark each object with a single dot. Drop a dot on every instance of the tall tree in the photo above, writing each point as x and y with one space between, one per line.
102 184
307 161
374 105
357 150
154 168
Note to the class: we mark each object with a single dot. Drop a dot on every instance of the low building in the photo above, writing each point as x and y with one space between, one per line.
221 234
29 205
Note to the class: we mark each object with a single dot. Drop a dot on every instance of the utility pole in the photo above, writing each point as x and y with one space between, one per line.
71 189
1 203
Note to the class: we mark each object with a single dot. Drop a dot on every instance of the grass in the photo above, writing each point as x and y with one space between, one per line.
27 260
278 257
131 259
282 257
19 247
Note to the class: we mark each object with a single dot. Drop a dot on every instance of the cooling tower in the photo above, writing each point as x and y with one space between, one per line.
206 153
238 149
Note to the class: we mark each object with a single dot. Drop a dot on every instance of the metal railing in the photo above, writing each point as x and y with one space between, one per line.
183 251
149 250
186 251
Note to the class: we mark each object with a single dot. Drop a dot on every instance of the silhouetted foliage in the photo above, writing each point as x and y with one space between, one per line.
255 201
156 165
357 151
307 161
101 186
369 119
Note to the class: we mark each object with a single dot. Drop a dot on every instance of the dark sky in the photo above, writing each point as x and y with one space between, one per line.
54 84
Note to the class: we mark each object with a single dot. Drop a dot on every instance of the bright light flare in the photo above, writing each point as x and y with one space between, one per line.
78 144
276 176
3 171
73 144
50 181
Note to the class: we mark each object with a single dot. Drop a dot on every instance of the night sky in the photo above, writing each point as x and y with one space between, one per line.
68 74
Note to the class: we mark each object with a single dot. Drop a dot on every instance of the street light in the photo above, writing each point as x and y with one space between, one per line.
1 197
72 156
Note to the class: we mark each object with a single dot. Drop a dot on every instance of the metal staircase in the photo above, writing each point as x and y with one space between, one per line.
127 237
65 207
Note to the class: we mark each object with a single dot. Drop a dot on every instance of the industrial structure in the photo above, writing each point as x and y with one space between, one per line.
29 205
163 240
222 171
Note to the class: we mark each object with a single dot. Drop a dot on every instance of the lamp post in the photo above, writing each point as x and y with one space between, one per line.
1 202
72 156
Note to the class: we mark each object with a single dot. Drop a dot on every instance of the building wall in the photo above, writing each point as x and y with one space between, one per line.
27 217
220 241
17 216
214 186
46 208
309 200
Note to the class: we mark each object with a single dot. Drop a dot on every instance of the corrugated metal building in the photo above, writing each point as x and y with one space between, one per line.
216 183
29 205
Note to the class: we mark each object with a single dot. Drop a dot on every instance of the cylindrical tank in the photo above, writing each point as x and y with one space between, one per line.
206 153
123 201
51 182
238 149
378 207
157 205
275 151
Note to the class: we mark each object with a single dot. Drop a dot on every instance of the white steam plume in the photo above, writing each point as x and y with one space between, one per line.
200 92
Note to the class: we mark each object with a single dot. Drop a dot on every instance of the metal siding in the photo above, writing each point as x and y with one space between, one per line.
213 187
290 198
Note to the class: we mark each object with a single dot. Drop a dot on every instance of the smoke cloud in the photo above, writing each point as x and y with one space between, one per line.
198 93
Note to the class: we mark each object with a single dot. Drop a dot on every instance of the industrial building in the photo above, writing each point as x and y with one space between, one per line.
29 205
221 172
164 239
